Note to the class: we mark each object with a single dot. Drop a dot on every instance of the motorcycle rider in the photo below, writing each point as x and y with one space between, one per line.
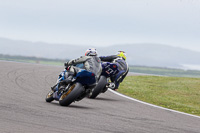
89 62
120 60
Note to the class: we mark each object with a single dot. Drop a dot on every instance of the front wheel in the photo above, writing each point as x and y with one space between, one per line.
71 95
99 87
49 98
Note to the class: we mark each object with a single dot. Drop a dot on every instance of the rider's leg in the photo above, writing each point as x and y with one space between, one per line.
117 79
70 74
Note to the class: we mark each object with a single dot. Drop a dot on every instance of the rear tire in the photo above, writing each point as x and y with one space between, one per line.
71 95
99 87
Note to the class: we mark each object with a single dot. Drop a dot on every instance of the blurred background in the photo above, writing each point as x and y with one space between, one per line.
153 33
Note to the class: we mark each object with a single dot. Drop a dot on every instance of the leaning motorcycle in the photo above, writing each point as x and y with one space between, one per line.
108 70
82 84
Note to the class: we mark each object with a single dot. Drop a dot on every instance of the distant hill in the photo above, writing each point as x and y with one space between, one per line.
137 54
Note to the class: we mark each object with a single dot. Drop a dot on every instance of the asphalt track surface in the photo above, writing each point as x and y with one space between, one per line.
23 108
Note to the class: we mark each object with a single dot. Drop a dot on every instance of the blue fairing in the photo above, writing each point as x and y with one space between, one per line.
85 78
62 75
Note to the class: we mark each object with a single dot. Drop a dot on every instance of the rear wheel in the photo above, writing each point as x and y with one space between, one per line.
71 95
99 87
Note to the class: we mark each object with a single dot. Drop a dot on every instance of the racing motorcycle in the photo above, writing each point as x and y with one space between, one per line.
79 87
108 70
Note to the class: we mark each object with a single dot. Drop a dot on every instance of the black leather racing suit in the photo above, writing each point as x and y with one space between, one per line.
122 67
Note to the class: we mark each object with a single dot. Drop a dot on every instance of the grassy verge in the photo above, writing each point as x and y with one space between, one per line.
137 69
178 93
45 61
165 71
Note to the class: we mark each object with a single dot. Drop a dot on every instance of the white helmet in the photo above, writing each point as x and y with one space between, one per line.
91 52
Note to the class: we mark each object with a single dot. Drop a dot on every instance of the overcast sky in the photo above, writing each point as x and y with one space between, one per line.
103 22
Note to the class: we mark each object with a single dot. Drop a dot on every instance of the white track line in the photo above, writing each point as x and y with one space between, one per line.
119 94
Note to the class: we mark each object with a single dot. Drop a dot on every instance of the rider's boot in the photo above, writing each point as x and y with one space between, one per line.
111 85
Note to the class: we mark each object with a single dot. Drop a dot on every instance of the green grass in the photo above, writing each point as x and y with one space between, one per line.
178 93
165 71
137 69
56 63
26 59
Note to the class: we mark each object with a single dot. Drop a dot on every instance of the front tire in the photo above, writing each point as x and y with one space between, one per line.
99 87
49 98
71 95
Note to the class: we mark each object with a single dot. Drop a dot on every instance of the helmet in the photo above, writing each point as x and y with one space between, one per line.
91 52
121 54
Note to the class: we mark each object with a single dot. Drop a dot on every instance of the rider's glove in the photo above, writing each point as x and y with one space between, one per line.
68 68
66 64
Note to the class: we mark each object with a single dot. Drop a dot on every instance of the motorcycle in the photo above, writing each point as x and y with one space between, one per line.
79 87
108 70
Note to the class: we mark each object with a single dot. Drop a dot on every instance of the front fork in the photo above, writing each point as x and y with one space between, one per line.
59 89
58 93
